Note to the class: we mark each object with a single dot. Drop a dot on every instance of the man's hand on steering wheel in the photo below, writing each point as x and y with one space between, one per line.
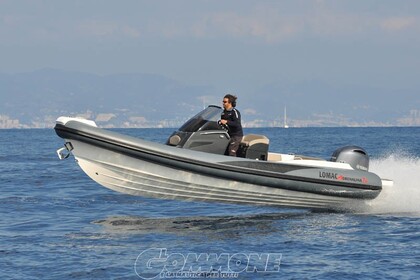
223 124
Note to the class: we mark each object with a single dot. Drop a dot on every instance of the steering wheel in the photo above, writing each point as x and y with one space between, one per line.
223 126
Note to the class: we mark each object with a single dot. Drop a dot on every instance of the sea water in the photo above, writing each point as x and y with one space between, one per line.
56 223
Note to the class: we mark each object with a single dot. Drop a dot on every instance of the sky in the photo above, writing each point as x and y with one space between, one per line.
231 45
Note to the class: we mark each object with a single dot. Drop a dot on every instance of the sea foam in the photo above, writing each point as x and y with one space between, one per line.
404 195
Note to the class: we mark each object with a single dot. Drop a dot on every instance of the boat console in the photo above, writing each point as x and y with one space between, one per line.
203 133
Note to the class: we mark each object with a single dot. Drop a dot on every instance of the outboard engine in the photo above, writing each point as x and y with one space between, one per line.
355 156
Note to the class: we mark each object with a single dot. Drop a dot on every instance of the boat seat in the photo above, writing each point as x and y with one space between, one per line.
274 157
251 139
254 146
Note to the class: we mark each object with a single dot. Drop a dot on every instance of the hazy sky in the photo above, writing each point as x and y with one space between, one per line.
223 43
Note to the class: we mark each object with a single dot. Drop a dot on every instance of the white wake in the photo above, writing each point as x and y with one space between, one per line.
404 195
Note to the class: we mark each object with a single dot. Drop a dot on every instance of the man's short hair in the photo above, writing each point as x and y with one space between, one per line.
232 99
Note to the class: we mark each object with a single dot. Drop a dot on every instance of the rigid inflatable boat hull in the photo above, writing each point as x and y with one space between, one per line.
138 167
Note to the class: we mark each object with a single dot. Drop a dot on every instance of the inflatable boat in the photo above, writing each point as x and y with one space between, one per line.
192 166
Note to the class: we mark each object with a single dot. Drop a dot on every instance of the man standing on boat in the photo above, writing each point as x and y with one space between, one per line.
232 119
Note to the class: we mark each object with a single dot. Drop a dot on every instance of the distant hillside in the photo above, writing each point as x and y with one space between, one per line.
314 100
49 92
35 99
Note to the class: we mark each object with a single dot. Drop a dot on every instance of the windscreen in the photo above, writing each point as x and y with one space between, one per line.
210 114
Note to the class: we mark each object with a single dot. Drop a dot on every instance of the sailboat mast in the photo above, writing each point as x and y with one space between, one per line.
285 119
284 116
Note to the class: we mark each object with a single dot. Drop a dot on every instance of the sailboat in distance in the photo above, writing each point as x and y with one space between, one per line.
285 119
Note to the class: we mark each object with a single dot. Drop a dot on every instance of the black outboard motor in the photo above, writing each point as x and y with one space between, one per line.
355 156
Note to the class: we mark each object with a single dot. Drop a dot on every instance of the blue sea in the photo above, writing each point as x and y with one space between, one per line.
56 223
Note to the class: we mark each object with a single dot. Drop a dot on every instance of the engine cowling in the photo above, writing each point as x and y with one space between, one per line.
356 156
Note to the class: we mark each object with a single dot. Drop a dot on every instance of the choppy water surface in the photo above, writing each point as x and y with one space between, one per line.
56 223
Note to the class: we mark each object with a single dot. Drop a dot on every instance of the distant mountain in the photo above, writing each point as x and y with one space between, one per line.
361 104
50 92
36 98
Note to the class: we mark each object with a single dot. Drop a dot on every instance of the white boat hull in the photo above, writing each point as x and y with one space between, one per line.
139 177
